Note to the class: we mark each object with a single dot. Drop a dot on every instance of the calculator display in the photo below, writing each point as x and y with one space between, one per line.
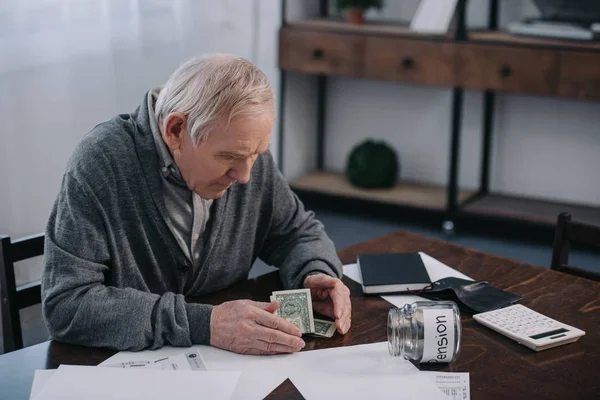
549 333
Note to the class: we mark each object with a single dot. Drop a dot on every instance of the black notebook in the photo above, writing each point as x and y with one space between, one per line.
392 272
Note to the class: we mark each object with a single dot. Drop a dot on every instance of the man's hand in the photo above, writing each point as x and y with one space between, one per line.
249 327
332 298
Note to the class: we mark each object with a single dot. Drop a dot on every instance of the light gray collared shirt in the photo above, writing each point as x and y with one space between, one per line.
187 213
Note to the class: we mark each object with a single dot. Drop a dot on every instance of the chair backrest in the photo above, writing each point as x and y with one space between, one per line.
16 298
568 231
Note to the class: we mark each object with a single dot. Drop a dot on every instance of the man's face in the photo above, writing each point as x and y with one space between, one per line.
228 154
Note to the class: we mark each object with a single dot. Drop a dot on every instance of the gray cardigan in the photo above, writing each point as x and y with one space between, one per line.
114 273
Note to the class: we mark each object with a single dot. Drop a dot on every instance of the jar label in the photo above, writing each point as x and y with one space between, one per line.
439 335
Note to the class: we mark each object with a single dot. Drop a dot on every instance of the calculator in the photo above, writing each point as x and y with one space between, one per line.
528 327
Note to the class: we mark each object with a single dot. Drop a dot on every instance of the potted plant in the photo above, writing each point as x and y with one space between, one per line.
355 9
372 165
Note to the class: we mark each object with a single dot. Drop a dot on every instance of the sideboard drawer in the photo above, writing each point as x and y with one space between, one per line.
413 61
580 75
321 52
522 70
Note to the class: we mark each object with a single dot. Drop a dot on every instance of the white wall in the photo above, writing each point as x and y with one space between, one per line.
66 65
537 141
299 110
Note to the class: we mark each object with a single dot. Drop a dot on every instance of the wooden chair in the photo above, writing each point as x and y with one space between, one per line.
566 232
16 298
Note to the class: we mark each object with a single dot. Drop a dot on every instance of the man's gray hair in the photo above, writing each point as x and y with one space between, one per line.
212 90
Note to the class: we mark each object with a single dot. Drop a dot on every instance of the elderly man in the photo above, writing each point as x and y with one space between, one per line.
178 199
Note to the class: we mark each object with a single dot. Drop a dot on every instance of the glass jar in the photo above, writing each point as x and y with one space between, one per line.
425 331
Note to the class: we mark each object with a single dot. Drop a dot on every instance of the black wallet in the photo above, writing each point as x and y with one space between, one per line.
472 297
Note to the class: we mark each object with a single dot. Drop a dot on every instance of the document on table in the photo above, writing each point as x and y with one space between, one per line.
351 371
40 377
436 270
260 375
95 383
360 372
455 385
190 360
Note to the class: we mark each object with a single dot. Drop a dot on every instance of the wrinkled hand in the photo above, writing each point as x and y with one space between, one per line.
332 298
249 327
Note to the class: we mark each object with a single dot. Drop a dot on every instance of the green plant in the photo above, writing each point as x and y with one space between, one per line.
372 165
362 4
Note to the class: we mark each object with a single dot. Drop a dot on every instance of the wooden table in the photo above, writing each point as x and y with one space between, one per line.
499 368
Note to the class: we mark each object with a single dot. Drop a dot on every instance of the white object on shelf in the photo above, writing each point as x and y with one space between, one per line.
433 16
554 29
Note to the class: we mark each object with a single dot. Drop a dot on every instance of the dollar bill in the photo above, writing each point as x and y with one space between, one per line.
296 307
324 328
272 298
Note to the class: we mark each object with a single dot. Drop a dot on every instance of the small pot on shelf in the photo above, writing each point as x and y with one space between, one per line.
355 16
355 9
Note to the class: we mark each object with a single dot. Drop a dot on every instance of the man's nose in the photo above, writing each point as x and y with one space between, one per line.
241 172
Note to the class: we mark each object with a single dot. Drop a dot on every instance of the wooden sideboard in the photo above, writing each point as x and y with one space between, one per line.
514 64
488 61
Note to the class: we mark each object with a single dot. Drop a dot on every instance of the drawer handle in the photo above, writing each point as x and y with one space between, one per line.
505 71
407 62
318 53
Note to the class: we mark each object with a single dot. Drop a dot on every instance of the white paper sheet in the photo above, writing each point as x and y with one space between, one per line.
146 355
190 360
95 383
360 372
436 270
455 385
40 378
260 375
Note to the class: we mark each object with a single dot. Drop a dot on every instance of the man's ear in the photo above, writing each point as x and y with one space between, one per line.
174 129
